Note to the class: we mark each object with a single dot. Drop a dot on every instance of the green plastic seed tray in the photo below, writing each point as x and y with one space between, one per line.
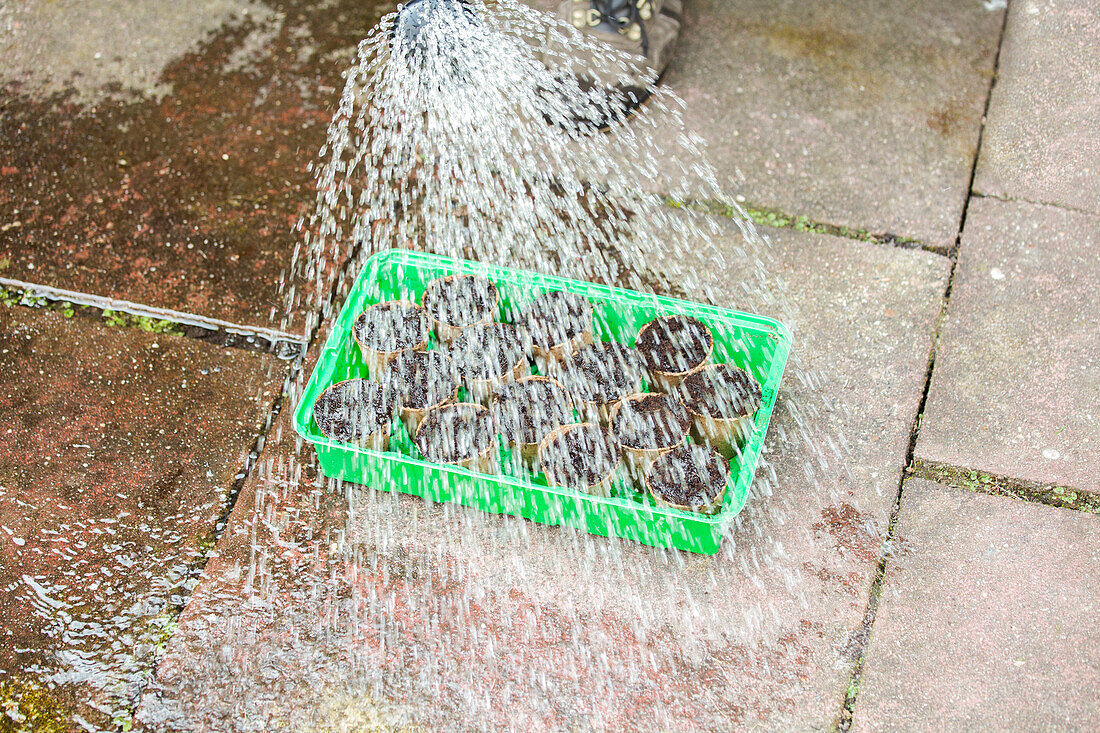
757 344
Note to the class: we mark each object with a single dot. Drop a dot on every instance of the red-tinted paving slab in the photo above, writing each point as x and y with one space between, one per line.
1015 387
333 606
864 114
987 619
175 187
117 449
1040 140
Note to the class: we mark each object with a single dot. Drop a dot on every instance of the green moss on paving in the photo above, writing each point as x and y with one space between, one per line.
968 478
12 297
119 319
779 220
28 705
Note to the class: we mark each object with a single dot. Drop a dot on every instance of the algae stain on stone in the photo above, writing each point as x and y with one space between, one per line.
28 706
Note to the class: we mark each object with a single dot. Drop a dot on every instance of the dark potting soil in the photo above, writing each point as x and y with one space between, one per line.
556 317
422 378
461 300
455 433
673 344
652 421
602 372
527 410
689 475
354 409
721 391
487 351
580 456
392 326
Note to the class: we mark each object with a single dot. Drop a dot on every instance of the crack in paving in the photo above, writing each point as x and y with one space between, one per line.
212 330
1033 202
972 479
861 638
778 219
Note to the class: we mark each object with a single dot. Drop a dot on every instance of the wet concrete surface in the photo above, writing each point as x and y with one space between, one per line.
173 177
1016 380
858 114
117 452
184 197
1040 142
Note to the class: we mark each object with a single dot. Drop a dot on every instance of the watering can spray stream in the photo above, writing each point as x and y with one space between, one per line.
457 17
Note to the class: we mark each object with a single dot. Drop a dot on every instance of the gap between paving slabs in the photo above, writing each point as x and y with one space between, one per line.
859 641
296 351
863 636
984 482
777 219
116 312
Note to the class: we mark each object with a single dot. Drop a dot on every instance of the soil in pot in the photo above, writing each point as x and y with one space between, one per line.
456 302
582 456
527 410
356 411
689 477
422 380
388 329
722 400
671 346
461 434
489 355
647 425
600 375
558 324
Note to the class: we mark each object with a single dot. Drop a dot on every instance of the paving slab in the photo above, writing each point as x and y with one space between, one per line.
170 175
1040 140
862 114
117 450
332 605
987 619
1016 378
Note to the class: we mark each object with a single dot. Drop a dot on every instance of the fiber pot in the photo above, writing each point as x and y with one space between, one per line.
421 381
599 375
558 324
457 302
582 456
387 330
356 411
646 427
488 356
692 478
460 434
671 346
722 400
527 410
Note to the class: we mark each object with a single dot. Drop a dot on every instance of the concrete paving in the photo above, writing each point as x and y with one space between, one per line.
118 449
462 635
863 114
987 618
181 189
1016 379
157 152
1040 142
